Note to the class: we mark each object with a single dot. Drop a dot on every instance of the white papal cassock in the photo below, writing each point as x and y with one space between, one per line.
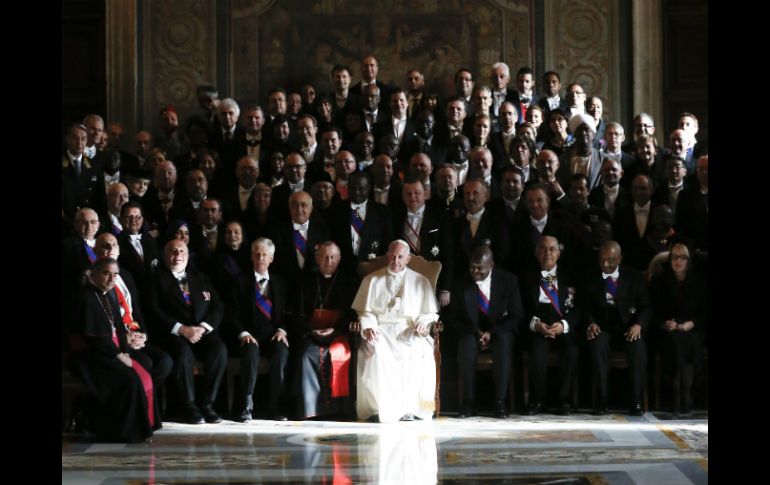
396 374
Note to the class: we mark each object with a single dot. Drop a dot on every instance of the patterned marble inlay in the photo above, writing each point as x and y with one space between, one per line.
537 450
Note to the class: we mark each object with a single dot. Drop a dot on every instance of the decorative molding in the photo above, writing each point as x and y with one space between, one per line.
581 44
180 53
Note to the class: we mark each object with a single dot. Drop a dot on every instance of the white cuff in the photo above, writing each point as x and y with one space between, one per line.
208 327
532 323
175 330
566 325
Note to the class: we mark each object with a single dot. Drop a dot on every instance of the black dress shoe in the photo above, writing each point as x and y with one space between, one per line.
374 418
535 408
465 413
279 417
244 416
407 417
210 415
563 409
500 411
636 409
194 417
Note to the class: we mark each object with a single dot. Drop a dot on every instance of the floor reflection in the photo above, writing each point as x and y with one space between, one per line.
577 450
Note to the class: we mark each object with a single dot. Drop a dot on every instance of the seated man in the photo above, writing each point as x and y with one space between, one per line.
617 310
322 315
258 324
126 409
396 372
487 312
187 312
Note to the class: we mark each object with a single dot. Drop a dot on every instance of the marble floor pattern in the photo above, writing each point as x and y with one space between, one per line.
545 449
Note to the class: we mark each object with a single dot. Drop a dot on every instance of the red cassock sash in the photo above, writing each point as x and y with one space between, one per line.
339 351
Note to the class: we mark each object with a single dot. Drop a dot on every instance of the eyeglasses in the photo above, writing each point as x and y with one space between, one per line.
645 126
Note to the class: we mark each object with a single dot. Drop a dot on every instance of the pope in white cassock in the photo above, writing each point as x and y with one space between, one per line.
396 370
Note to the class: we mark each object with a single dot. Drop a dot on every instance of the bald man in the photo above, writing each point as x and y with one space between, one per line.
616 312
296 236
552 317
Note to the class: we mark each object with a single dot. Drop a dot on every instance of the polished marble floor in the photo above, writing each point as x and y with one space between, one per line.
545 449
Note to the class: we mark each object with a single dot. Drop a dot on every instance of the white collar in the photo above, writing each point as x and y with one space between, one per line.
613 275
265 276
418 213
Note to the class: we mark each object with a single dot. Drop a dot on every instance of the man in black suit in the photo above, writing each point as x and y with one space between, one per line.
188 312
616 308
632 222
499 77
369 70
676 173
296 237
487 313
551 100
397 123
187 205
138 252
239 197
228 139
322 316
82 181
445 193
609 195
455 116
692 207
427 231
386 186
480 225
360 227
548 296
424 141
525 95
543 221
258 325
294 170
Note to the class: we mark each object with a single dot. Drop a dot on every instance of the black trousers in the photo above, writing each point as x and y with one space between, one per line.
636 359
501 347
539 348
211 350
250 355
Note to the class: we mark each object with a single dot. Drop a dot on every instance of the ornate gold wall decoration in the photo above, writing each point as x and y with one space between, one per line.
179 54
581 45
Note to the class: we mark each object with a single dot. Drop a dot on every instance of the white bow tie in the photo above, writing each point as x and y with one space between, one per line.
614 275
91 242
300 227
208 232
546 274
135 237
